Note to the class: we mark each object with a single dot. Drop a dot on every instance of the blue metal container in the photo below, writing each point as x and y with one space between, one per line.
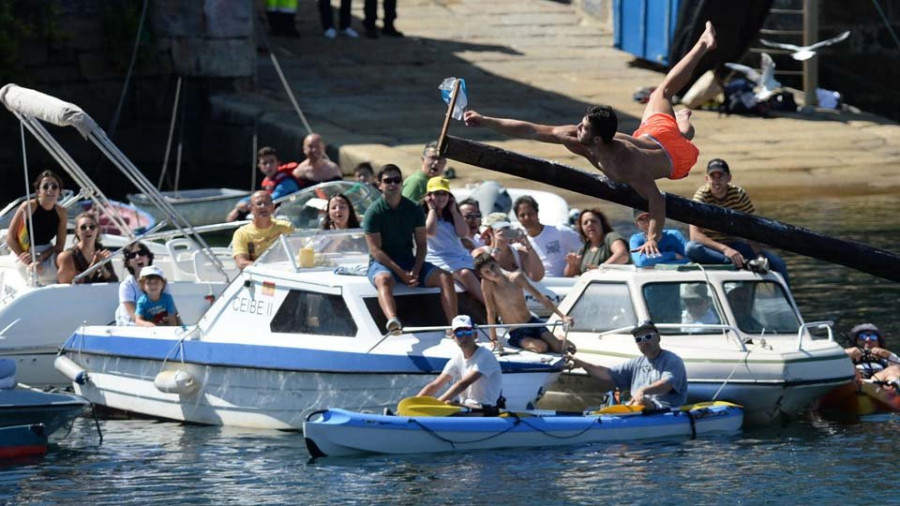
645 28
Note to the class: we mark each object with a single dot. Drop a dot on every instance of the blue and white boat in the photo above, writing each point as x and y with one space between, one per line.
282 341
341 433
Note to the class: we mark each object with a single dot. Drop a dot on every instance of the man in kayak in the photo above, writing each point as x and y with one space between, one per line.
660 148
872 359
656 379
474 374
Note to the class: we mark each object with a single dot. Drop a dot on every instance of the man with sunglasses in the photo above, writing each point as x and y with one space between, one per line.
395 228
656 379
471 212
871 358
474 373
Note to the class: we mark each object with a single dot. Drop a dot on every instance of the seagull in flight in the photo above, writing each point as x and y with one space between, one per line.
766 85
803 53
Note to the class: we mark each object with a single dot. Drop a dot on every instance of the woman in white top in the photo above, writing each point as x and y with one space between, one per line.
137 256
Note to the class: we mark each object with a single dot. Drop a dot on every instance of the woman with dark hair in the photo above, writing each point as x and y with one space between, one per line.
446 228
85 253
602 245
868 353
137 256
339 214
47 223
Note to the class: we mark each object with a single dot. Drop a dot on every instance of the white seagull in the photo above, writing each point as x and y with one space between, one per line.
803 53
766 85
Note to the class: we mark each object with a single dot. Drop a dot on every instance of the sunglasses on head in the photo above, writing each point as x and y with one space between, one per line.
392 180
646 338
461 333
87 227
868 336
49 186
132 254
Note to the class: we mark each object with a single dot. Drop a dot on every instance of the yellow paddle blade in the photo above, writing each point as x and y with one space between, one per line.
700 405
619 409
425 406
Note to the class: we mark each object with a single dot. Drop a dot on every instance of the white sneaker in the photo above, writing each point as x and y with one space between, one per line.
394 327
350 32
330 33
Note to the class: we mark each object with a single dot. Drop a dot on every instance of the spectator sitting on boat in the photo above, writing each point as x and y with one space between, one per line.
47 223
872 359
712 247
552 244
279 181
445 228
471 212
741 300
394 225
317 168
656 379
364 173
697 305
137 256
155 307
86 253
253 239
660 148
671 246
510 248
504 296
415 186
474 374
340 214
602 244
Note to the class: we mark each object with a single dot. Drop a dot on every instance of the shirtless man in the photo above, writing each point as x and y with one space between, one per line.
660 148
504 296
317 168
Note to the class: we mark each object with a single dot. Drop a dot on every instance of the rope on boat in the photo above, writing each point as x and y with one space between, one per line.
165 165
454 443
693 422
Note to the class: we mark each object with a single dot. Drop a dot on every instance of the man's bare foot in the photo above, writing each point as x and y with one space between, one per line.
683 118
708 37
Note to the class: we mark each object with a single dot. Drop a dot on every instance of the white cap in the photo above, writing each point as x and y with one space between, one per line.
151 270
500 225
461 322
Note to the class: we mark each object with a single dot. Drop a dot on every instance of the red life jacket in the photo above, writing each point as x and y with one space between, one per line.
286 170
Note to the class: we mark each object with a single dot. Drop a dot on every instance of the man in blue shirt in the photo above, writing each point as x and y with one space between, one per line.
671 245
656 379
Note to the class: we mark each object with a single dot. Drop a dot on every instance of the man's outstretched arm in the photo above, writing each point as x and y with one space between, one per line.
518 128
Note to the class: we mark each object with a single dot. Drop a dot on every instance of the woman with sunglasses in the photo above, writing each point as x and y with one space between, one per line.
446 228
47 223
137 256
868 353
85 254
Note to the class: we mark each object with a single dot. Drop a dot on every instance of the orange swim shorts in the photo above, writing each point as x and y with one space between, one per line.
663 129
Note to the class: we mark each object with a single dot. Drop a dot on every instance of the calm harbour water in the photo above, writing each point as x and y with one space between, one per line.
143 461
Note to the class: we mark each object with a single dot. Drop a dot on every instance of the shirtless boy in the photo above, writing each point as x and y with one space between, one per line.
660 148
504 297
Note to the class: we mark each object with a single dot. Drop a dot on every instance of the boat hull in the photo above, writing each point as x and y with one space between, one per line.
28 407
263 398
198 207
338 432
22 441
859 398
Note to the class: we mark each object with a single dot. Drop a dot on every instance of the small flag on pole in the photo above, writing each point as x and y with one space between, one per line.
446 88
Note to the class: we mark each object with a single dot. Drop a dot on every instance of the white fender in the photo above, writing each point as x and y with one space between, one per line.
176 382
71 370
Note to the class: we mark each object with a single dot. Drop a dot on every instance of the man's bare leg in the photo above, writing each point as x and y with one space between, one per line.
683 118
677 78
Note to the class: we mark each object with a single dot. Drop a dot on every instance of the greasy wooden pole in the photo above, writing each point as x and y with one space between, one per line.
858 256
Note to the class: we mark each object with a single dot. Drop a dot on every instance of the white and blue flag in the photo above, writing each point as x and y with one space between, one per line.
446 88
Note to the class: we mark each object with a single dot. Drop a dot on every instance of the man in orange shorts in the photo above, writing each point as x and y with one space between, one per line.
660 148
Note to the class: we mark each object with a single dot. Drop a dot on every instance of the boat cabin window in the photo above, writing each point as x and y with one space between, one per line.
602 307
692 303
313 313
761 307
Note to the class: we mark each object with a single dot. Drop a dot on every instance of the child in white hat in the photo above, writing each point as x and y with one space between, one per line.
154 307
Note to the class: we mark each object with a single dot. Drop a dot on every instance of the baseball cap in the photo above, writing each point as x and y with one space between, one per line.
497 221
694 291
644 327
437 184
638 212
152 270
717 164
461 322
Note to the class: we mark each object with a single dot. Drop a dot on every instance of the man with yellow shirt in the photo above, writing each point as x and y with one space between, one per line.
254 238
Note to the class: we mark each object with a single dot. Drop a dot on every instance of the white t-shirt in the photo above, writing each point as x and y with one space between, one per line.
552 245
486 390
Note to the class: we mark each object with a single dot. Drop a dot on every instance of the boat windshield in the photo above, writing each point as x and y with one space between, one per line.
603 306
692 302
306 208
321 248
761 307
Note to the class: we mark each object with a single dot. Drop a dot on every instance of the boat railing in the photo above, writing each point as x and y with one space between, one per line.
727 330
804 331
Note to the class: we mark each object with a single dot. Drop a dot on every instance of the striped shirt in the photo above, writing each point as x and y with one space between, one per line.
735 198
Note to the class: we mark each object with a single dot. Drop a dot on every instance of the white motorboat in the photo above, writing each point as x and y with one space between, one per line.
493 197
205 206
755 349
299 330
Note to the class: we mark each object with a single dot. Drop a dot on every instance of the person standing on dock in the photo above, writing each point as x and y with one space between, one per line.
660 148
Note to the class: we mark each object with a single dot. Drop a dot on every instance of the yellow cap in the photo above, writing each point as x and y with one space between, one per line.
437 184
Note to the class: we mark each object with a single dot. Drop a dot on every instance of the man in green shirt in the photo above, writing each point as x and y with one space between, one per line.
433 164
393 224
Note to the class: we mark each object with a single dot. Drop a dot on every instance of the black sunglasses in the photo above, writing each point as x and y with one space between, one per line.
139 253
87 227
392 180
49 186
472 216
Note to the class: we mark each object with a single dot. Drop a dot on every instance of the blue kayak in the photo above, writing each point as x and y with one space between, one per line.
338 432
